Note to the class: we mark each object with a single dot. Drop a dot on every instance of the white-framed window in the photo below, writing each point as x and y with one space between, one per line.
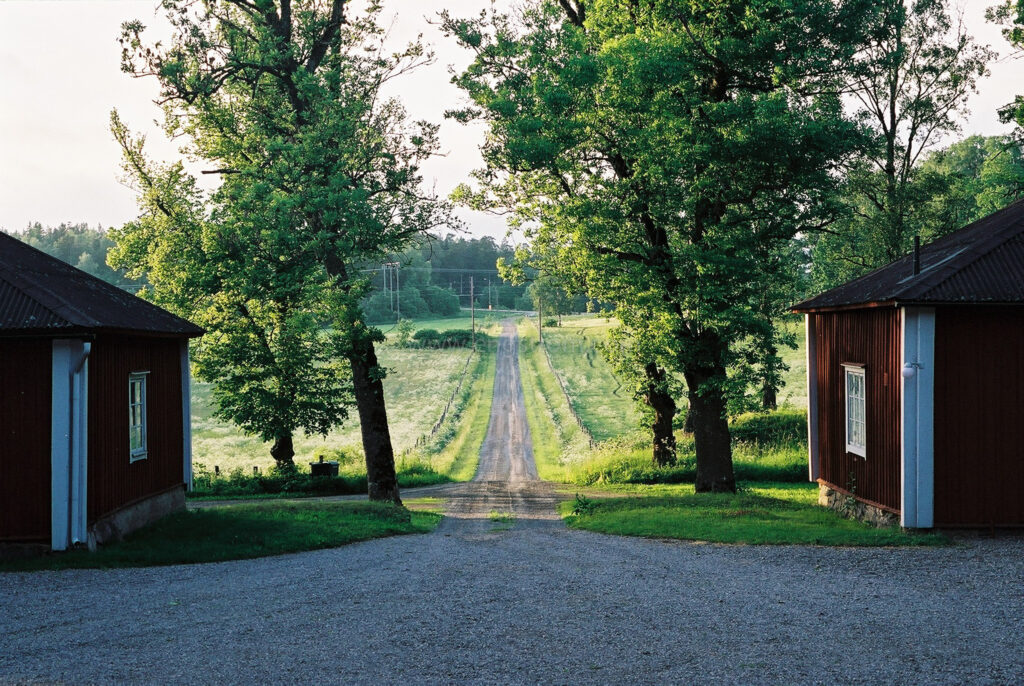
137 430
856 410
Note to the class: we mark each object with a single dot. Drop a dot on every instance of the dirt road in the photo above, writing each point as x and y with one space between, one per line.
506 492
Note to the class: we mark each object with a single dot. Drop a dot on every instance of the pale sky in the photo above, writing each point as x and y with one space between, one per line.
60 77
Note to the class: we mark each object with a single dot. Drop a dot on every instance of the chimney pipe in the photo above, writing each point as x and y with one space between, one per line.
917 255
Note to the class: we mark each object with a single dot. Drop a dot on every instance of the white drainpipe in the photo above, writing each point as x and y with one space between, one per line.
78 513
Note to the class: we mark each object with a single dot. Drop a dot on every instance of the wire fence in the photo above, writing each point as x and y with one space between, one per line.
422 440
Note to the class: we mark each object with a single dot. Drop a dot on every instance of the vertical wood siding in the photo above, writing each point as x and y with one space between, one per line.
25 380
870 337
114 480
979 416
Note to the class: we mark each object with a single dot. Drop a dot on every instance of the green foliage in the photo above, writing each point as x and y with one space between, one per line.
661 152
403 332
319 175
786 426
582 505
772 514
241 532
451 338
292 482
914 81
766 447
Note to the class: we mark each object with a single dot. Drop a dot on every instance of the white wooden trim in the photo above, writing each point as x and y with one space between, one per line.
814 459
186 416
861 450
917 425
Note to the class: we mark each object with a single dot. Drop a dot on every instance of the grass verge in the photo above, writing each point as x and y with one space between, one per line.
242 532
458 457
774 514
606 408
552 427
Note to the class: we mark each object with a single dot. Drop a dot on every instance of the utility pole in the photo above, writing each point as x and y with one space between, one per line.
472 310
540 319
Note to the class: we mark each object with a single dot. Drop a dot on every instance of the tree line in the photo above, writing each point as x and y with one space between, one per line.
79 245
695 166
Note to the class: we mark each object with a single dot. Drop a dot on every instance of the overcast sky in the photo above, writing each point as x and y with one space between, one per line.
60 77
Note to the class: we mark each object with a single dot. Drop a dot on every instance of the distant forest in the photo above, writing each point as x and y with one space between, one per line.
433 279
80 246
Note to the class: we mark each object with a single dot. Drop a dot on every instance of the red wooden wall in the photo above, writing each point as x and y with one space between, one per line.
979 415
870 337
115 481
25 380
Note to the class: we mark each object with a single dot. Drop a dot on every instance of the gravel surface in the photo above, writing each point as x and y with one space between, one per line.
528 601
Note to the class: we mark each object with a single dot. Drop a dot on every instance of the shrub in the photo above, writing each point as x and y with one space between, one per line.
453 338
427 338
770 428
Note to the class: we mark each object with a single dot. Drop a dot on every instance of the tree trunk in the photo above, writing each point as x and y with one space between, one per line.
664 407
710 423
283 451
381 480
769 397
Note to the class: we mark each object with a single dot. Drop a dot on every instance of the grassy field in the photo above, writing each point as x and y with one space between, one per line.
484 320
418 385
556 437
794 392
767 513
607 409
455 451
242 532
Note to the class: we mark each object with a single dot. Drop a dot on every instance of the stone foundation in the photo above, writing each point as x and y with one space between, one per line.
851 508
116 525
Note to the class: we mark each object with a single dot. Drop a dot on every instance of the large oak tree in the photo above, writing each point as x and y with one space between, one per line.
282 100
666 147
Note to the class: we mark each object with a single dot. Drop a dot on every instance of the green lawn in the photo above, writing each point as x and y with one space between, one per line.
606 408
418 385
241 532
764 513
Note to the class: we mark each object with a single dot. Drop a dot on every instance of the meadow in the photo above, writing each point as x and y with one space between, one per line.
606 408
765 447
418 385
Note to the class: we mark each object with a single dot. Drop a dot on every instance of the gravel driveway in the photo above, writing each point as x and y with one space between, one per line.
492 602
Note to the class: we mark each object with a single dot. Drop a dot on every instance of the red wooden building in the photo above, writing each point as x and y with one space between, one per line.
916 381
94 404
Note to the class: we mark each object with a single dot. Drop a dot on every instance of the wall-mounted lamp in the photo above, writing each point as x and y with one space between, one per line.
910 368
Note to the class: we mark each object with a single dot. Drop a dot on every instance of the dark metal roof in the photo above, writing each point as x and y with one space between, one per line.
40 294
981 263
